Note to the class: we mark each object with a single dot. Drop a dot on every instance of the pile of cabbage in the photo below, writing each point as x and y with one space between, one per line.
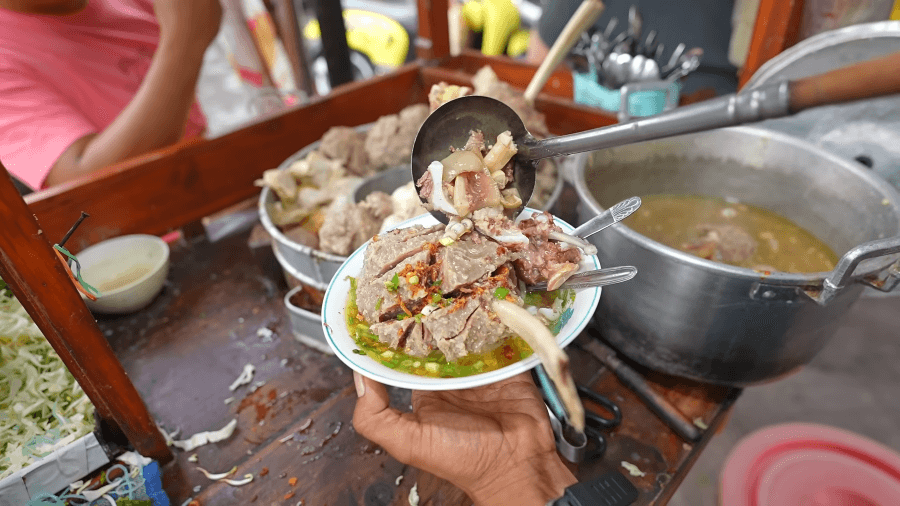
42 407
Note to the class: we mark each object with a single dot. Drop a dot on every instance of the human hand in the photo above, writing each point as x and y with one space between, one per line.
188 23
494 442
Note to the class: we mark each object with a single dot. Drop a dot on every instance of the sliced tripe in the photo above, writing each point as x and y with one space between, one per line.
554 359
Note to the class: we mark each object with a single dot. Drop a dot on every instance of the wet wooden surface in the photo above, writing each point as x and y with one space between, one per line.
185 350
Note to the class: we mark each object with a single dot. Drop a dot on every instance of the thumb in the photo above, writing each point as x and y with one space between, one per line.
378 422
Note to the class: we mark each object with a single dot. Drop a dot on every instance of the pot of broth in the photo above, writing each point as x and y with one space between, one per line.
750 246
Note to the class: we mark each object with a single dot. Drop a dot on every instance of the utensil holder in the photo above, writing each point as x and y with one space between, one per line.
639 99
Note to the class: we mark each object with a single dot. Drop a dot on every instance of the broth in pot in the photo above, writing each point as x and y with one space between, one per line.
733 233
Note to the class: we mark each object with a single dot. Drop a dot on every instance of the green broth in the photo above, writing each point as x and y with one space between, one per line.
435 365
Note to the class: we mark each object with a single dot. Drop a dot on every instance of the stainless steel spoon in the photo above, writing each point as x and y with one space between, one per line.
607 218
591 279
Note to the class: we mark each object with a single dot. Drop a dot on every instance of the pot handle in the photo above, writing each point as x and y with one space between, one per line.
885 281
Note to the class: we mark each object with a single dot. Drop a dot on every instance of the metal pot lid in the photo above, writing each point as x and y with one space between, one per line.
865 131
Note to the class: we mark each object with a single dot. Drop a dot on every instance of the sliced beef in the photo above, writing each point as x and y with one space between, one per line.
469 259
543 259
425 185
390 141
377 303
418 343
393 332
348 226
411 119
346 145
483 332
542 262
449 321
475 142
302 235
391 248
446 324
722 243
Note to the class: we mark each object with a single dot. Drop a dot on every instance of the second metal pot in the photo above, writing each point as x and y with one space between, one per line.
694 318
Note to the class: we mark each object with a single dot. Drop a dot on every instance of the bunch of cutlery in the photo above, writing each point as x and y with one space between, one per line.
629 57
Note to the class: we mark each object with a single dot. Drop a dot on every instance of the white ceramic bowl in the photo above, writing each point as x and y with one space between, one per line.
338 337
129 271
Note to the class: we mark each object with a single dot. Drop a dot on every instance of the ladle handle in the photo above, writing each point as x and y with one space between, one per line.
585 16
867 79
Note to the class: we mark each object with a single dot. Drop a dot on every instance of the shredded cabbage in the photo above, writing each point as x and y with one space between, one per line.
42 407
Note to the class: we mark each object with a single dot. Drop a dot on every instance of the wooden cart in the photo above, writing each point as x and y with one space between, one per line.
175 188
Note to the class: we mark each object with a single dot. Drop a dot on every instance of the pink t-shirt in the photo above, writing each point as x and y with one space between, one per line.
64 77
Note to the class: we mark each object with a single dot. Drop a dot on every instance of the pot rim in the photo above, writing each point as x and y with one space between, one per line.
779 278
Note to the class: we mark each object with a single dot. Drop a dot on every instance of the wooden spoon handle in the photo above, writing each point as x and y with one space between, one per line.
588 12
868 79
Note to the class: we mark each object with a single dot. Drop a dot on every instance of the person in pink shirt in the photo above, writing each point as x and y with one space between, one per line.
85 84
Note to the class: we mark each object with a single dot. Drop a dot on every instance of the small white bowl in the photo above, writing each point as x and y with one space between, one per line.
128 271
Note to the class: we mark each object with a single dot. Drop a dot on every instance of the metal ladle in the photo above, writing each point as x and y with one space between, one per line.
451 123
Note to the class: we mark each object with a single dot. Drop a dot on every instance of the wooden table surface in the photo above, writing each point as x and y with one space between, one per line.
185 349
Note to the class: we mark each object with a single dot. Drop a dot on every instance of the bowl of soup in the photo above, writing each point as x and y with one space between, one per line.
129 272
738 232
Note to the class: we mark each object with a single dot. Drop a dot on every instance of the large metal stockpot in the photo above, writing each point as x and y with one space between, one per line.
699 319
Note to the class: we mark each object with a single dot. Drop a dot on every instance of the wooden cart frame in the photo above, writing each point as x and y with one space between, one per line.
175 187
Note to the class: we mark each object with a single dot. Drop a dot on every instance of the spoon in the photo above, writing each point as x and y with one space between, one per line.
635 26
688 63
451 123
673 60
591 279
607 218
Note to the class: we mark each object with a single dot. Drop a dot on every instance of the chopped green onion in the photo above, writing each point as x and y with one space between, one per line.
359 352
378 303
418 318
435 298
413 280
501 292
446 241
393 284
437 283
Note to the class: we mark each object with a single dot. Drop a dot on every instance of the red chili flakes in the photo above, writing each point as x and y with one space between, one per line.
508 352
288 495
292 481
264 471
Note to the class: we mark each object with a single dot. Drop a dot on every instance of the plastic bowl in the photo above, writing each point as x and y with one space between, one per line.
129 271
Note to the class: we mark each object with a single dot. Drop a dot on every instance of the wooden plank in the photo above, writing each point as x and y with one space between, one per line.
777 28
433 39
40 282
163 191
